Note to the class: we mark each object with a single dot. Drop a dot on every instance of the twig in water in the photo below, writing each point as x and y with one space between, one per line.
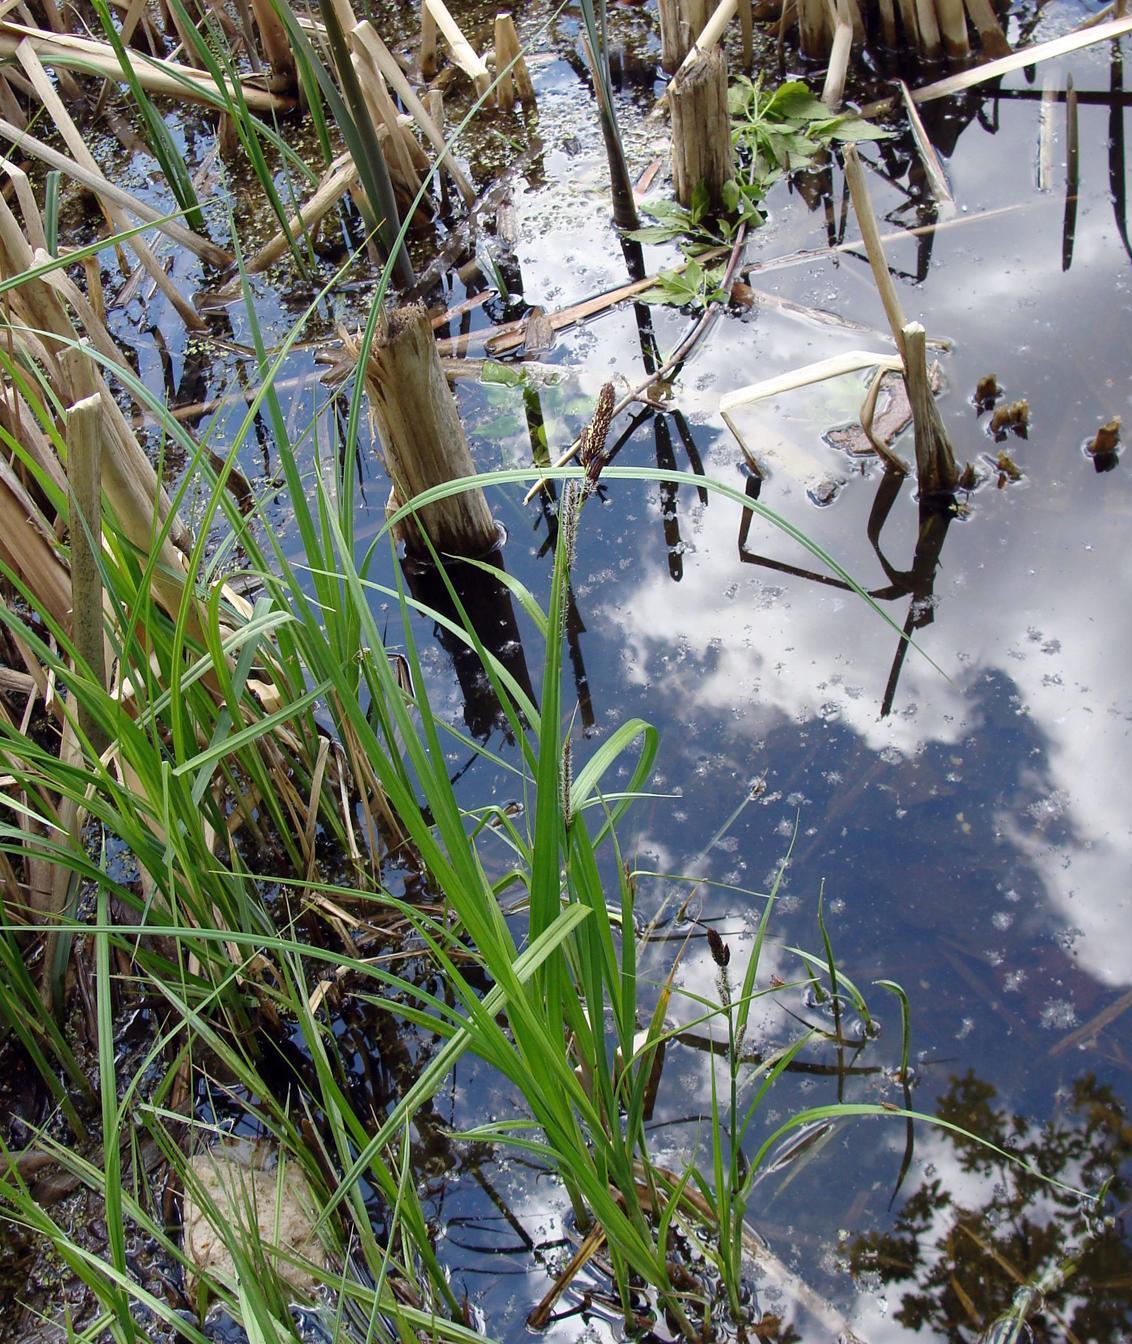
683 350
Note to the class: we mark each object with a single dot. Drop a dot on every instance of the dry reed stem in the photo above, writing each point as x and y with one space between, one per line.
834 88
27 547
1018 60
29 206
9 106
933 169
181 82
681 22
953 27
463 53
341 176
427 53
927 21
82 430
712 33
509 52
701 129
866 219
815 28
504 82
422 437
366 36
887 23
115 216
807 375
276 44
909 18
867 418
991 37
101 186
936 472
17 419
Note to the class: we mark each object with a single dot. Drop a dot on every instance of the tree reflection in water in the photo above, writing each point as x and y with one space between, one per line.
960 1266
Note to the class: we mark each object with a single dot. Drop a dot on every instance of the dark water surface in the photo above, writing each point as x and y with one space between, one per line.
962 806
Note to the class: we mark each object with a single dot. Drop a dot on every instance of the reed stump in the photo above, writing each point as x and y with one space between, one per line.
936 472
423 439
701 128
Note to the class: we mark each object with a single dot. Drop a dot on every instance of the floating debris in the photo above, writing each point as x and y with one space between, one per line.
1008 469
1106 440
1013 418
987 393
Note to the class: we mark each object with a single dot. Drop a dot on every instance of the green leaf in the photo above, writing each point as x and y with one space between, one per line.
667 210
504 375
655 233
793 101
851 129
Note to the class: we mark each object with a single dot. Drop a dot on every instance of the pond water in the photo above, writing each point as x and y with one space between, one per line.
959 803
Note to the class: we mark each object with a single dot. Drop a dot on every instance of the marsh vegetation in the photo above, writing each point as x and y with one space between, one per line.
606 897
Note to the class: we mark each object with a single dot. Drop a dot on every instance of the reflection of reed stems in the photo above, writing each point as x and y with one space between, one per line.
596 48
1072 175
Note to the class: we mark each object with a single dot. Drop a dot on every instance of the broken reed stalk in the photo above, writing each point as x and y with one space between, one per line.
504 80
834 88
423 438
511 67
815 29
82 430
463 53
366 36
701 129
277 47
936 472
681 23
